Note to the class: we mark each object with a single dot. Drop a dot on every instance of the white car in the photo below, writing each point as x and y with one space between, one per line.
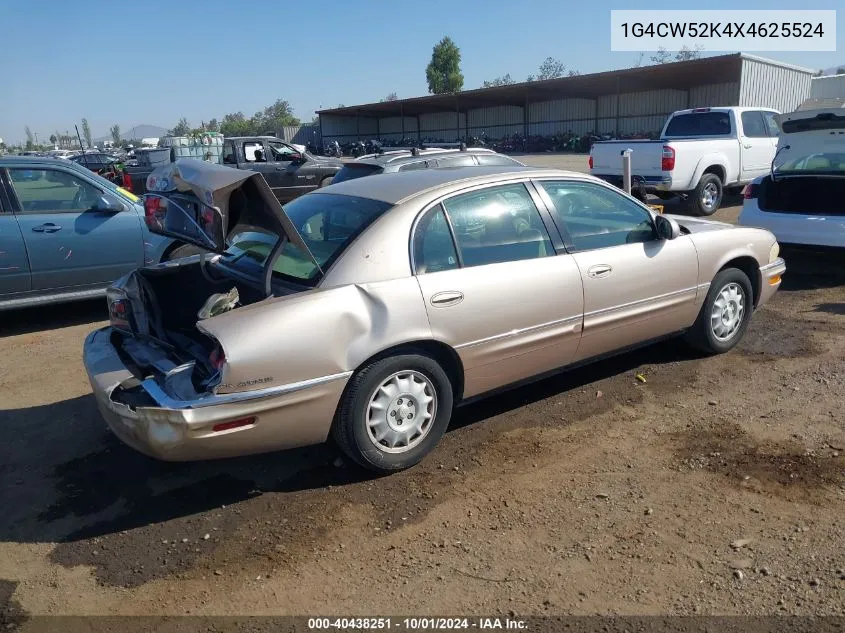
802 200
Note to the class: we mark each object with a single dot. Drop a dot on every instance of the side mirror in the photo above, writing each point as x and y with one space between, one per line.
297 159
667 228
108 205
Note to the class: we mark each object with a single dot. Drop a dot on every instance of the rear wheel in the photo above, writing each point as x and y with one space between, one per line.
186 250
394 412
707 196
725 314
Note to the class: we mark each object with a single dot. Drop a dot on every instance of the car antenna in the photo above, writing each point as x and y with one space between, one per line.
84 155
772 166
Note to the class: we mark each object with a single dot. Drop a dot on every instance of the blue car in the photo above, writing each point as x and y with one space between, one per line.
66 233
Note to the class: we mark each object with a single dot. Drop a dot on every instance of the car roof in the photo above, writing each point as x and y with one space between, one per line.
396 187
389 156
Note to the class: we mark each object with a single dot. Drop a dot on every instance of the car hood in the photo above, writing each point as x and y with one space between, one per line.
209 223
696 225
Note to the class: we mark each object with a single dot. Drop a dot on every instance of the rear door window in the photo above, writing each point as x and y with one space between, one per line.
434 249
753 125
498 224
350 171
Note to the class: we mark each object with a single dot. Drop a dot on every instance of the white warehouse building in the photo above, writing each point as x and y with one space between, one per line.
631 101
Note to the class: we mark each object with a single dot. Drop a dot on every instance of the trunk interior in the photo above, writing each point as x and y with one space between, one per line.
805 194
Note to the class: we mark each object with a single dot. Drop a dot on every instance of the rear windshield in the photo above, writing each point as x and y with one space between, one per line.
351 171
328 223
823 162
827 121
699 124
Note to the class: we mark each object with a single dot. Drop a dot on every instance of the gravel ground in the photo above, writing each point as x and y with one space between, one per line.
715 487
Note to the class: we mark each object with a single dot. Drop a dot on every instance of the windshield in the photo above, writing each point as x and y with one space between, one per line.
102 182
822 162
328 223
699 124
350 171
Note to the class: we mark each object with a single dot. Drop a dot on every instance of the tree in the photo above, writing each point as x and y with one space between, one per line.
443 72
551 68
662 56
213 126
686 54
114 130
818 73
181 128
235 124
504 80
29 137
86 133
840 70
53 139
274 117
391 97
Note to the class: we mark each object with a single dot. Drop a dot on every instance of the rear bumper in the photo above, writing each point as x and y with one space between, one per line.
646 183
770 275
796 228
287 416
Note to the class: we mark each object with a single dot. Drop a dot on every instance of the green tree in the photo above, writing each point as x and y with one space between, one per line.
181 128
551 68
236 124
504 80
443 72
213 126
86 133
30 139
686 54
114 130
53 139
661 56
274 117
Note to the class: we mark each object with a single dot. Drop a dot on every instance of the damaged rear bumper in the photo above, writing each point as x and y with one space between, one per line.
164 427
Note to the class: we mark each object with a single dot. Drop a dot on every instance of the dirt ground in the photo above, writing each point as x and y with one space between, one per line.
714 487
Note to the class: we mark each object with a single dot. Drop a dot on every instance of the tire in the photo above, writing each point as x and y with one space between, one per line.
707 195
186 250
703 335
417 376
325 182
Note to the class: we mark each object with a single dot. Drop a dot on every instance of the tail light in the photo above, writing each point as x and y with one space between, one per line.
750 192
155 208
233 424
217 358
127 182
590 162
667 163
119 309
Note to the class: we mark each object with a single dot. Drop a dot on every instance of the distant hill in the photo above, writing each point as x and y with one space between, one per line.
138 131
832 70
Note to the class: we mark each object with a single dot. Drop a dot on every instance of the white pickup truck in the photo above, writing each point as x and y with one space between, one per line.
700 153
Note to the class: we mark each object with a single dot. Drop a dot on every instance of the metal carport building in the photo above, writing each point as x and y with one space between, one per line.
628 101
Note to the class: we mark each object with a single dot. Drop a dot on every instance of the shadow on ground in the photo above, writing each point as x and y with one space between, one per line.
70 479
52 317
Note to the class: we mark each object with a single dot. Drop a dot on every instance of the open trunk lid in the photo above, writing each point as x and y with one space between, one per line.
812 142
220 196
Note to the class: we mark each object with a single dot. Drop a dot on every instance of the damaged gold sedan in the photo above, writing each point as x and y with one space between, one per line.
366 310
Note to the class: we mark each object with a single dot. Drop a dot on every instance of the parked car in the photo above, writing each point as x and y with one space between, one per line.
700 153
394 160
66 233
365 310
289 172
803 200
95 161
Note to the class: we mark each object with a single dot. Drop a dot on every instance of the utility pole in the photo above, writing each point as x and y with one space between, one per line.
36 138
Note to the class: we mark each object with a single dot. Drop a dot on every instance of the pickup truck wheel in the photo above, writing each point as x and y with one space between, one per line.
394 412
707 196
725 314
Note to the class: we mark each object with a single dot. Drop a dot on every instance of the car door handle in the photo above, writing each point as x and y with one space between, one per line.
46 228
447 298
599 270
747 145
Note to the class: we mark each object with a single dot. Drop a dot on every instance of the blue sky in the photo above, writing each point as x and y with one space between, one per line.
151 62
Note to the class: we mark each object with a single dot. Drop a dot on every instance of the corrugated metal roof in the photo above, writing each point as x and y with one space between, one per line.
676 75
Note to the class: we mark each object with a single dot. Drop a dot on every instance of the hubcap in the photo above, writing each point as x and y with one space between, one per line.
728 310
709 195
401 412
